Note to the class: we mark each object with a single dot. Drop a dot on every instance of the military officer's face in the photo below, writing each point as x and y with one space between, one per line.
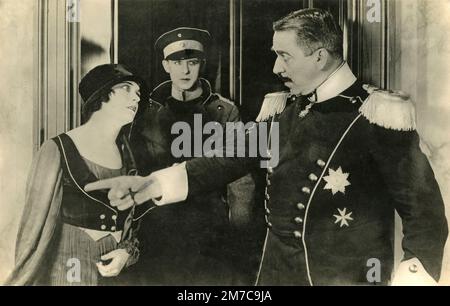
298 71
183 73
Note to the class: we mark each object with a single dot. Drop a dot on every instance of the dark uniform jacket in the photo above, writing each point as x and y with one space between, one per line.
185 243
330 201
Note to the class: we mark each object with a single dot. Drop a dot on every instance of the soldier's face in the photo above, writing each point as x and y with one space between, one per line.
183 73
298 71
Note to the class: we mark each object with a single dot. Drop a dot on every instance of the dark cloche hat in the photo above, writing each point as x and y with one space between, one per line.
183 43
102 78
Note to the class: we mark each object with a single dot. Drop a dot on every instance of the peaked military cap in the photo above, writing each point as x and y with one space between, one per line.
183 43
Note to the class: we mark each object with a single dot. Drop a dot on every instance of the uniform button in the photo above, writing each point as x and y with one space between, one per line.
220 107
114 217
298 220
300 206
413 268
320 163
102 216
268 182
267 211
297 234
103 227
306 190
269 224
270 170
267 197
269 155
113 228
313 177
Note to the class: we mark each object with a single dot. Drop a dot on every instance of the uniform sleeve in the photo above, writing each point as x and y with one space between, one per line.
234 115
213 172
210 173
240 193
39 218
415 195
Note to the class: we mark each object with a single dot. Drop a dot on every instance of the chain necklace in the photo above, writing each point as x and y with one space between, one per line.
302 114
305 112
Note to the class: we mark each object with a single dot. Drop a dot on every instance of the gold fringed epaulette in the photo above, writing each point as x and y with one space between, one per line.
273 104
388 109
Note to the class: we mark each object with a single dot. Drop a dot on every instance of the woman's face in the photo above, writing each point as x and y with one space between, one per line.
123 102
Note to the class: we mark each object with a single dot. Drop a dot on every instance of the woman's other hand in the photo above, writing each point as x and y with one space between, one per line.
118 257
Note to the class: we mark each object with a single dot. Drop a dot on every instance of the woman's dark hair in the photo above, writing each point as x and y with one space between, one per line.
88 109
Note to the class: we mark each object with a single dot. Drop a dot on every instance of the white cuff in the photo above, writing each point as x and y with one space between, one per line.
173 182
412 273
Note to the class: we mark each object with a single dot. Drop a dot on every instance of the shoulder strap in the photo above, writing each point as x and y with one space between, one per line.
76 169
71 160
389 109
273 104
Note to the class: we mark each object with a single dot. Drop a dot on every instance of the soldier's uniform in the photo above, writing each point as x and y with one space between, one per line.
185 243
344 167
154 125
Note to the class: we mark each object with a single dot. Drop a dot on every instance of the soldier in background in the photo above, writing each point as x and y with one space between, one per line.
187 243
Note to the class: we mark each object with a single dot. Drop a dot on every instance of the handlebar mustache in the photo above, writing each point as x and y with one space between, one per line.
284 79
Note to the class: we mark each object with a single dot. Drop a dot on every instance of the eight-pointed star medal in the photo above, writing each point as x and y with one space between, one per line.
343 217
336 180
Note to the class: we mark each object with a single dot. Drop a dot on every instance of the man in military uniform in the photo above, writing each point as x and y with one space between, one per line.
187 243
349 157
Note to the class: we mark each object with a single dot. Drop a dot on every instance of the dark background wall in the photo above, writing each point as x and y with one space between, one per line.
257 58
141 22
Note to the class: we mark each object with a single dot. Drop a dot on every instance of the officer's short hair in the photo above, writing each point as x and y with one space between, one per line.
315 28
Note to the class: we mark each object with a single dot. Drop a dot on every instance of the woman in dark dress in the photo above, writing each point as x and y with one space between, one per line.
68 236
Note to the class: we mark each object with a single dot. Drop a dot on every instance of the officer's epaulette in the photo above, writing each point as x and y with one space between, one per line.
273 104
389 109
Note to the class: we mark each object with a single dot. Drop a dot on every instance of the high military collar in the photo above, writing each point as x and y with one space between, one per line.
349 100
339 81
163 92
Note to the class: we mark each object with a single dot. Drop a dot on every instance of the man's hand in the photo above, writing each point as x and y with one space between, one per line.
119 259
119 195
